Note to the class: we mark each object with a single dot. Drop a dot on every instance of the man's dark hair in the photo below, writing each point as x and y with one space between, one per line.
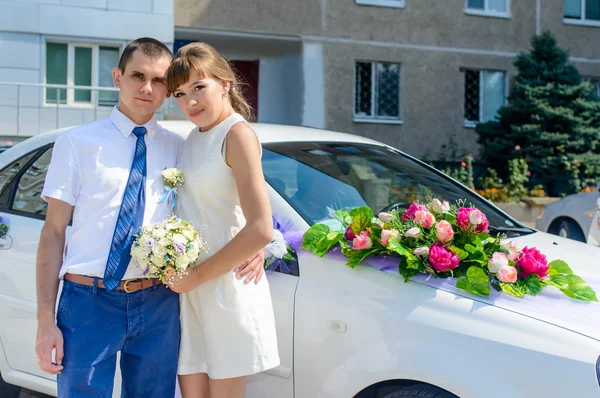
148 46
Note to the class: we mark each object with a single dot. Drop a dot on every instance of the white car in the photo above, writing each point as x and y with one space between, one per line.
575 217
346 332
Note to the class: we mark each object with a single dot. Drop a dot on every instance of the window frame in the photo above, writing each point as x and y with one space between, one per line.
382 3
582 20
11 187
374 119
71 44
472 123
486 12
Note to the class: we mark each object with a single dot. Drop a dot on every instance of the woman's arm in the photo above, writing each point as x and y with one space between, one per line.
243 156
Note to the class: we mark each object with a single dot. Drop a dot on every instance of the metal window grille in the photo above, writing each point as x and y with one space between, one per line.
377 91
472 96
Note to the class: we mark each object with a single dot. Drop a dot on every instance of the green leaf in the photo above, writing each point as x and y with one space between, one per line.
312 237
533 283
483 236
343 217
347 250
406 272
476 281
579 289
561 267
362 210
461 253
360 222
327 242
559 281
470 248
396 247
358 255
514 289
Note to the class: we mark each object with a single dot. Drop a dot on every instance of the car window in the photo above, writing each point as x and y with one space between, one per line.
8 174
28 197
319 178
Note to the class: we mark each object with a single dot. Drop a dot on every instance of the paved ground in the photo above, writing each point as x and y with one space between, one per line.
32 394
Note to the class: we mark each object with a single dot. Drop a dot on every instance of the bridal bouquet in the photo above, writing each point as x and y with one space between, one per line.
447 241
168 248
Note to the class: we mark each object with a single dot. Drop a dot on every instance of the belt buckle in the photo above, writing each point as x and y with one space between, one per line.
126 285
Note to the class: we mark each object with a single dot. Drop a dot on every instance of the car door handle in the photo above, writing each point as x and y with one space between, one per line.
5 242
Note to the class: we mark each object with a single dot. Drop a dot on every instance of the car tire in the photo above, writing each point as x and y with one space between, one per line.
421 391
569 229
8 390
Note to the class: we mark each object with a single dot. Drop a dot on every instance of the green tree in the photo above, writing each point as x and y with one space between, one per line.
552 120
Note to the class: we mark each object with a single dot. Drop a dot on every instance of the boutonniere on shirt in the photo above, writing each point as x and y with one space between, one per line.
173 179
4 225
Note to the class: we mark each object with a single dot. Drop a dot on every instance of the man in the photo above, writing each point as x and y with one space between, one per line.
106 176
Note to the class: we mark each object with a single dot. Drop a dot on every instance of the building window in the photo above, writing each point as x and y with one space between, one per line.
382 3
80 64
488 7
377 91
582 11
485 93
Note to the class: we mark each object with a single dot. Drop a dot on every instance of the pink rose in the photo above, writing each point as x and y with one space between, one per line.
380 223
439 207
497 261
513 250
442 259
424 218
414 233
349 234
531 261
421 251
362 241
444 231
507 274
410 212
388 234
472 219
385 217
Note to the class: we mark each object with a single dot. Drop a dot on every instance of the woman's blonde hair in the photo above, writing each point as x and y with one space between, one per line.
206 62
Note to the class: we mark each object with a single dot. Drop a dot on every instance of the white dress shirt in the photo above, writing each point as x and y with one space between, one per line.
89 170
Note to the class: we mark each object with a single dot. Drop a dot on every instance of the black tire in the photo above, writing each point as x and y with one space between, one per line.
8 390
570 229
421 391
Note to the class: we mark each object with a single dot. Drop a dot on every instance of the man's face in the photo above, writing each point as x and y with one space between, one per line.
142 85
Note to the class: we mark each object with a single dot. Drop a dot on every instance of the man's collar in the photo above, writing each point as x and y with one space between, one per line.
126 126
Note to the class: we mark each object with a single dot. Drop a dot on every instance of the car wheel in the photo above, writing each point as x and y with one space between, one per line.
8 390
569 229
421 391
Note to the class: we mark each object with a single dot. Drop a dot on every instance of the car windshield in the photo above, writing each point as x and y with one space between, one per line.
319 178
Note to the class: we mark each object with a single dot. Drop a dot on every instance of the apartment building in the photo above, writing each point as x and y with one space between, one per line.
412 73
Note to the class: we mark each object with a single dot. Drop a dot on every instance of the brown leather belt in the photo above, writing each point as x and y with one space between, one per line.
129 286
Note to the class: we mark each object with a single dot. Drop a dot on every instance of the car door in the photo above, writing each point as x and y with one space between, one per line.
21 184
279 382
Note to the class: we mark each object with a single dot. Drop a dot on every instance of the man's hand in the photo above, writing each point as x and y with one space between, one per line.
253 268
49 338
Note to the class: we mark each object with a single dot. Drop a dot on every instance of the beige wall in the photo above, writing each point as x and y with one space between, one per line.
582 41
289 17
432 92
433 23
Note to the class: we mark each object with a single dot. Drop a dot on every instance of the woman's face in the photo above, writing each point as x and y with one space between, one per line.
202 99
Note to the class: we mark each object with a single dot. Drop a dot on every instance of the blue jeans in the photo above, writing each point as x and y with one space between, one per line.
96 324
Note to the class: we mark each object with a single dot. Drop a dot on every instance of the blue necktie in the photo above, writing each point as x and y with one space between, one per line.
131 215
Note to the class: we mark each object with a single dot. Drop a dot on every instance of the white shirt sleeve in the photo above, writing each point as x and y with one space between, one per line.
62 180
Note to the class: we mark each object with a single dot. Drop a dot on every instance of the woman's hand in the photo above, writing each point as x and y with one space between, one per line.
184 283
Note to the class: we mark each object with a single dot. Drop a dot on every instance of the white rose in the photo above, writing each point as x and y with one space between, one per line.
188 234
179 238
163 242
421 251
159 250
476 217
277 247
181 262
159 232
439 207
157 260
497 261
414 233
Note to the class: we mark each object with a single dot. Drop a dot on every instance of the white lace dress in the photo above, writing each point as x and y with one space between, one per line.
227 328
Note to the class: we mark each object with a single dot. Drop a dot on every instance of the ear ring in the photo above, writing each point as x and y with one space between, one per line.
226 93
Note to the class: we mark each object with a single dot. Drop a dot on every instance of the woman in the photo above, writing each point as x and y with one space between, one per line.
228 327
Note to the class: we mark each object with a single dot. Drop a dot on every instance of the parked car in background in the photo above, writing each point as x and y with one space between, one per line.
346 332
574 217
